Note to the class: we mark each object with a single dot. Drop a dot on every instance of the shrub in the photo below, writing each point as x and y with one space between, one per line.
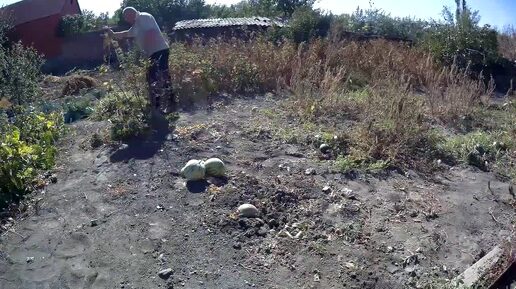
27 136
128 113
460 39
473 45
28 146
19 73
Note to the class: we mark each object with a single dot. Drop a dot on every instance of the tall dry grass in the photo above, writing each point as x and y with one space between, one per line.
319 73
330 69
390 93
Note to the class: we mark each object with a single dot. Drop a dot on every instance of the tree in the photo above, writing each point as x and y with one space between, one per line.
461 40
307 24
168 12
287 7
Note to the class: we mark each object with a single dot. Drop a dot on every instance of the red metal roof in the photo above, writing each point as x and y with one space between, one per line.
29 10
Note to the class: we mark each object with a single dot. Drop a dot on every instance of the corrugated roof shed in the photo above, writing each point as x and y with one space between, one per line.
225 22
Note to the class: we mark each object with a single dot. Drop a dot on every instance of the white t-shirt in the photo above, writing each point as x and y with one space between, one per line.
145 23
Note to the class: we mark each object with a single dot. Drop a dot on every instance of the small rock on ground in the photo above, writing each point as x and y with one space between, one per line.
248 211
324 148
165 274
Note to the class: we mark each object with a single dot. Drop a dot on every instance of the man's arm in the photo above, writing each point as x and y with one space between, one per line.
119 35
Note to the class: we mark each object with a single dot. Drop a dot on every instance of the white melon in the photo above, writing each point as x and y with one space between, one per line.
194 170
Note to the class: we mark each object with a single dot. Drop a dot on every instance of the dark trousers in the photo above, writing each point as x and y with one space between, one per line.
158 78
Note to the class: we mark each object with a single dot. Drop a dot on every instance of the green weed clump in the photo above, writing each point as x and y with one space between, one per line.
77 108
487 140
129 114
485 150
27 148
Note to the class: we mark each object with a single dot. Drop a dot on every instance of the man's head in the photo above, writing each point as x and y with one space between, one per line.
130 15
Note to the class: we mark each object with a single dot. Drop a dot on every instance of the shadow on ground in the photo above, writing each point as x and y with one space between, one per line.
144 148
197 187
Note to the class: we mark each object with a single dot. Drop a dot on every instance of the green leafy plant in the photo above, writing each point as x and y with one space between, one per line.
27 148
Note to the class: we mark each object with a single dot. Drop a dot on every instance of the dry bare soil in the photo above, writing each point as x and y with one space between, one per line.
119 215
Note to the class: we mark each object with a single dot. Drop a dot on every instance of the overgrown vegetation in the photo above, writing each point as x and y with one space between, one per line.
27 136
126 105
394 97
27 147
397 104
457 38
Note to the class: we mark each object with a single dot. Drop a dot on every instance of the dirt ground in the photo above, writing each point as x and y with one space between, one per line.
119 215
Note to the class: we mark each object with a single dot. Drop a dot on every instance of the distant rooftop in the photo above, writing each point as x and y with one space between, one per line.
226 22
30 10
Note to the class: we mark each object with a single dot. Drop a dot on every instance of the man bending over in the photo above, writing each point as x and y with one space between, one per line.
147 35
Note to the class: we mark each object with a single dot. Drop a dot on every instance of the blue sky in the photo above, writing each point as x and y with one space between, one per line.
495 12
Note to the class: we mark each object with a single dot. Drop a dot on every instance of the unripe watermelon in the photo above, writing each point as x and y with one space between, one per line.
215 167
194 170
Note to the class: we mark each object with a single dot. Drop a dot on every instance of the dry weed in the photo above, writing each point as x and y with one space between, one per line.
75 83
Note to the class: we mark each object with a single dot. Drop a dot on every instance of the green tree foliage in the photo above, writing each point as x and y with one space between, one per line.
288 7
461 39
376 22
19 68
250 8
19 73
306 24
168 12
76 24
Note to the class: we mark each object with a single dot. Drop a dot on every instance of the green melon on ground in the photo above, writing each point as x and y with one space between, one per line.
215 167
